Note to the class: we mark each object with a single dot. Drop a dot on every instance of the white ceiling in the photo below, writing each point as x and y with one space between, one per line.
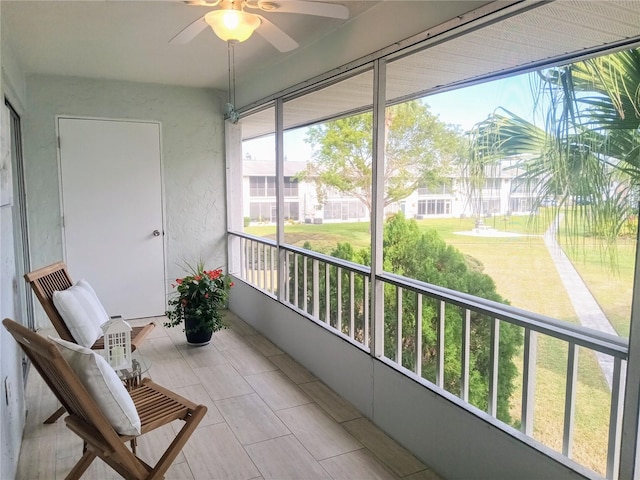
129 40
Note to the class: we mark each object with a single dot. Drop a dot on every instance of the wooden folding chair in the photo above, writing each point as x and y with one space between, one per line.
55 277
46 280
156 407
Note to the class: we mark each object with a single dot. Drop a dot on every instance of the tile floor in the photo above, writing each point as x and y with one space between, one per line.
268 418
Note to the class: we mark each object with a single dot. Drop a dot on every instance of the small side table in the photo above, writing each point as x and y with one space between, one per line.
131 377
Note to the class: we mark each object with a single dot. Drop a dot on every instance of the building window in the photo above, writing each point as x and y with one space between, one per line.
266 211
434 207
262 186
290 187
344 210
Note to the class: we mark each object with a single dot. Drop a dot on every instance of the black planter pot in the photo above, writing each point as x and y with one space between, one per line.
199 337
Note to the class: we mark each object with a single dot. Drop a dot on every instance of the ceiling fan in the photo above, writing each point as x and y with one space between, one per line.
231 22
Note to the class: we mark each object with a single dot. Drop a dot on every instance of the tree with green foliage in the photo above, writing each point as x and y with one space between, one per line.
424 256
419 150
586 154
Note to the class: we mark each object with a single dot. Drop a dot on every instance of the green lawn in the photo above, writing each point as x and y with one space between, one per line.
525 275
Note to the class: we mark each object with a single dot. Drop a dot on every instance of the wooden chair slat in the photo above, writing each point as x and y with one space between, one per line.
87 421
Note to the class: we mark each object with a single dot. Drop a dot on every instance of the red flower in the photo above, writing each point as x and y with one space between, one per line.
179 281
197 278
231 284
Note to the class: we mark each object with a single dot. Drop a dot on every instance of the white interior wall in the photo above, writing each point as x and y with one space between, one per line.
445 436
192 158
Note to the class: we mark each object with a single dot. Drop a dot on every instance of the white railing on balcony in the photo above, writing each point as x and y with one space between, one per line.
337 293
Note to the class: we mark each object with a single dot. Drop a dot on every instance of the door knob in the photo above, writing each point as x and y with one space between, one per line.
156 233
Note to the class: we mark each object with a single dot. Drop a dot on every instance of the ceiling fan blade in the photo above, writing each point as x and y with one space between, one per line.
190 32
321 9
275 36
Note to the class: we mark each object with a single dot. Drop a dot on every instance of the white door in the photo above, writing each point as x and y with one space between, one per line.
112 212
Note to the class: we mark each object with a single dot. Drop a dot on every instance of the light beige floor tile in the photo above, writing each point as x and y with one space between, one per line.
264 346
424 475
179 471
250 419
277 390
317 431
213 452
98 470
68 444
241 327
176 334
204 356
38 457
159 349
227 339
172 373
398 459
222 381
197 394
292 369
152 445
358 464
247 361
333 404
285 458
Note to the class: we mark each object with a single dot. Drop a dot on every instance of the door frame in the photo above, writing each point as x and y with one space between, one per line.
163 205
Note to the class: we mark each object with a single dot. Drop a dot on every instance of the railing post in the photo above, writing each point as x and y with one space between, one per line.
399 325
570 400
327 293
494 357
296 280
528 381
615 422
316 288
466 340
418 333
352 301
440 344
339 299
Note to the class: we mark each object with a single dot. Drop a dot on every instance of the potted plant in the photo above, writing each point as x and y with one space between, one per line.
198 302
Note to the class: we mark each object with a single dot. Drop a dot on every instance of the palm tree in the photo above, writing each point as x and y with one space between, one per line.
588 152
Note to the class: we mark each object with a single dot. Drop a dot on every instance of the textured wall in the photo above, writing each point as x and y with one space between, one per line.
192 157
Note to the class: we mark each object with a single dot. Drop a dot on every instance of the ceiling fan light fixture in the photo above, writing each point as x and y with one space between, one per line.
232 25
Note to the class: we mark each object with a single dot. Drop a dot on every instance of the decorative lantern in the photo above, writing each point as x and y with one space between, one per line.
117 343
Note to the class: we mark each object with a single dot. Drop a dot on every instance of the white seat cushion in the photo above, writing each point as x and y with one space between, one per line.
104 386
81 310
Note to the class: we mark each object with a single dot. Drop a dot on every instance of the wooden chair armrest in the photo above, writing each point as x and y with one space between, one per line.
141 335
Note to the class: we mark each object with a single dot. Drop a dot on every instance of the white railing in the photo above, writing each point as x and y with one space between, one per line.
337 293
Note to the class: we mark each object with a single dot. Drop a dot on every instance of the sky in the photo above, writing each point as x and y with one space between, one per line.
462 107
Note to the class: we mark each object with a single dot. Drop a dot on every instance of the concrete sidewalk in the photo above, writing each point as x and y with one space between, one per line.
586 307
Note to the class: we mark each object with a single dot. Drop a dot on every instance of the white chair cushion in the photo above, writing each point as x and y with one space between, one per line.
104 386
81 310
